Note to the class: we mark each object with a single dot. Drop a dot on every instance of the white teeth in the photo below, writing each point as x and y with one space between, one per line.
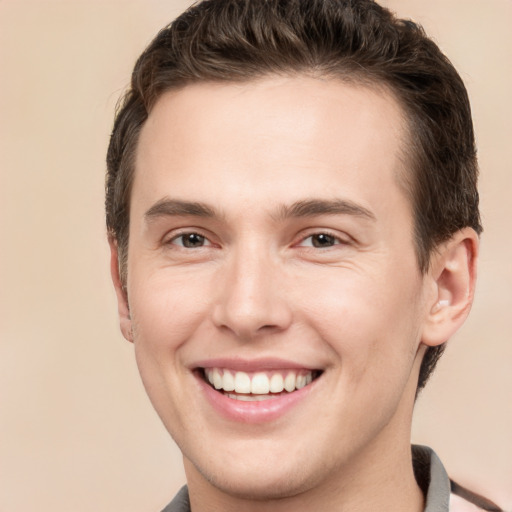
276 383
250 398
289 382
228 381
217 379
258 384
301 381
242 382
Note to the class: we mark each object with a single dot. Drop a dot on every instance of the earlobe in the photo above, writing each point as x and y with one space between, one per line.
125 321
453 274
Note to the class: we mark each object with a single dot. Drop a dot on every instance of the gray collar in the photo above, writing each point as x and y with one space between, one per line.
432 478
180 503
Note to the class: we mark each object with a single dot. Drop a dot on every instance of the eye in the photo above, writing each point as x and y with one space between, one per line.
320 240
190 240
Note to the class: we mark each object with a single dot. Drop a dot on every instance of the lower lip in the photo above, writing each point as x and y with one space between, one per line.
253 412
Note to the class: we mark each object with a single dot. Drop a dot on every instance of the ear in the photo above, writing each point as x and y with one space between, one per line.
453 277
125 321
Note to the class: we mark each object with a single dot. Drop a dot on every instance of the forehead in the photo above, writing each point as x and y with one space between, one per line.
274 136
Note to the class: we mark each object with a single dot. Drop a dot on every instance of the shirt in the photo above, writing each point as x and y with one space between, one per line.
430 475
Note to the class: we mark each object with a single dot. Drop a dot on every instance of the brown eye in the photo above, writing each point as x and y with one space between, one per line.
190 240
323 240
320 241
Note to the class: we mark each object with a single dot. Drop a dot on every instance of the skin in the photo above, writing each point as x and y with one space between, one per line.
357 308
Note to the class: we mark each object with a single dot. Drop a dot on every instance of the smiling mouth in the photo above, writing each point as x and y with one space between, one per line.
258 386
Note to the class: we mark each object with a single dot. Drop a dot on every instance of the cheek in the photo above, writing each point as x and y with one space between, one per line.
370 320
166 309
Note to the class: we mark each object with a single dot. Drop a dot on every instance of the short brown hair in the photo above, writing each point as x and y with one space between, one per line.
354 40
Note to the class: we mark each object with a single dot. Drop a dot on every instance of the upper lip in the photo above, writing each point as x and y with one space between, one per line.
252 365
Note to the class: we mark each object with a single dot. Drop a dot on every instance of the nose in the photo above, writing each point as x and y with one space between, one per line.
251 297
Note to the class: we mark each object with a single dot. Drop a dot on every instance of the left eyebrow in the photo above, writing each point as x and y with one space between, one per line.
167 207
313 207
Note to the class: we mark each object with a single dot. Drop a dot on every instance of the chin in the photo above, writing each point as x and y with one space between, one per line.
262 478
270 484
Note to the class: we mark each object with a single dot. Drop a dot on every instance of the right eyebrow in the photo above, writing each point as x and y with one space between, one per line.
313 207
168 207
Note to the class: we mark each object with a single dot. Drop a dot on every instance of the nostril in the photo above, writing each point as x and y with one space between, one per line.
248 306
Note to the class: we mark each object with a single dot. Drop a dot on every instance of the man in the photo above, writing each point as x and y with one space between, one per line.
293 220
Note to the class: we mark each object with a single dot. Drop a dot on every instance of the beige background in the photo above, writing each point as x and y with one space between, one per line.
77 433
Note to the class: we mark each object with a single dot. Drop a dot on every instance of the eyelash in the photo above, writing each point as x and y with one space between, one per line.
336 240
182 236
205 242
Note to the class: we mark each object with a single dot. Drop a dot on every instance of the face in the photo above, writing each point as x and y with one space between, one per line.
275 300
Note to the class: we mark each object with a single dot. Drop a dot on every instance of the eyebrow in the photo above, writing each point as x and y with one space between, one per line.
313 207
173 207
304 208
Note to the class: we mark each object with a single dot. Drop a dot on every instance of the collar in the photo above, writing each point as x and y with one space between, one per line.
432 478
